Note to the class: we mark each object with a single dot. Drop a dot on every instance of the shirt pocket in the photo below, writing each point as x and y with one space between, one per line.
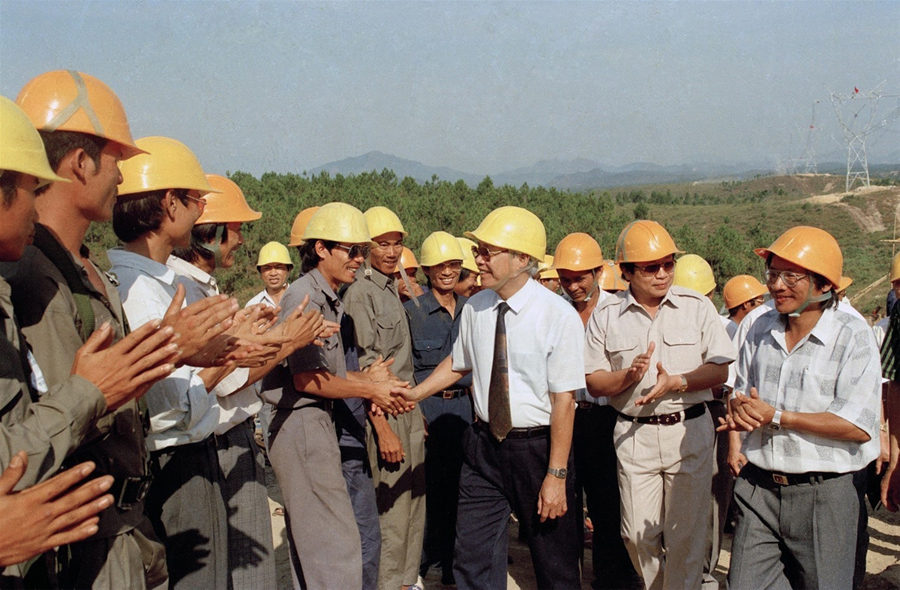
428 353
621 348
682 351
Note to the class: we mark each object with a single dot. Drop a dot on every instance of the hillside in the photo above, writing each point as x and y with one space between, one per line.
720 220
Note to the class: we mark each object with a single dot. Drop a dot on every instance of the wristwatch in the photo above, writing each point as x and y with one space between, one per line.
560 473
775 424
684 384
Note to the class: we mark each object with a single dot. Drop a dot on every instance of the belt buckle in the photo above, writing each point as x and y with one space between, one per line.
669 419
447 394
585 405
780 479
131 494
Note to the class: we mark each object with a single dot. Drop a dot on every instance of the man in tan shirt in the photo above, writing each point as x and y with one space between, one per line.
656 351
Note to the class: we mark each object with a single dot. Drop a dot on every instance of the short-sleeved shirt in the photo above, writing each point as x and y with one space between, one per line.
834 369
433 332
582 395
687 333
544 349
181 410
198 284
379 322
262 297
278 386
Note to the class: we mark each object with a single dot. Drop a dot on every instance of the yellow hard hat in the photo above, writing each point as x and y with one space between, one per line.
66 100
337 222
741 289
440 247
21 147
546 268
228 205
165 164
845 282
643 241
513 228
382 220
408 259
273 253
611 279
811 248
466 246
895 268
692 272
577 251
299 226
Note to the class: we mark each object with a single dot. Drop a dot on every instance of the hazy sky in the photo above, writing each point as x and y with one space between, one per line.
481 87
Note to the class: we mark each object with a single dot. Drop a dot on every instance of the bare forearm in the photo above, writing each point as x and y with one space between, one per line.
324 384
214 375
608 383
706 376
441 378
562 419
823 424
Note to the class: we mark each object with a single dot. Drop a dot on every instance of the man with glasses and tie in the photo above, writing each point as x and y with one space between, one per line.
517 455
808 391
656 351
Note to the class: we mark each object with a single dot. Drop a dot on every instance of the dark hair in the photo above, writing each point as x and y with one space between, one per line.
308 257
59 144
626 267
201 235
464 274
8 180
134 215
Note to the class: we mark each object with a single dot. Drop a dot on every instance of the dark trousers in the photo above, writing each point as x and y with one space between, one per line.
597 473
185 505
447 420
495 479
358 475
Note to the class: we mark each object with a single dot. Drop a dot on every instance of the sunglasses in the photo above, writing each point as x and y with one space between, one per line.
485 253
651 270
201 204
790 279
355 251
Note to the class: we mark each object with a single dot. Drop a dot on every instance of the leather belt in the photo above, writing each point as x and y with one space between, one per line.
765 478
694 411
518 433
129 491
587 406
452 393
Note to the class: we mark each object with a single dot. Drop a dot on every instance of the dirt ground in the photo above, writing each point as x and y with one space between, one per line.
882 563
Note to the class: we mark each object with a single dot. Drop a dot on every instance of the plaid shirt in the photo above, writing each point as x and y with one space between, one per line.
834 369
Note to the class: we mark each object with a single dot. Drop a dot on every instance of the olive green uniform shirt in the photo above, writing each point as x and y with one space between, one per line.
51 323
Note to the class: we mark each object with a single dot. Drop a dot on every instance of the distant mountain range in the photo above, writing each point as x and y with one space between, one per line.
576 174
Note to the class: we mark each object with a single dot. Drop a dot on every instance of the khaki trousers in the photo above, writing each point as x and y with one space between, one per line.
665 479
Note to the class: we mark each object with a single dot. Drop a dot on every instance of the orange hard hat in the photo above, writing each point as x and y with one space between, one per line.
811 248
408 259
741 289
227 206
299 227
643 241
611 279
577 251
845 283
66 100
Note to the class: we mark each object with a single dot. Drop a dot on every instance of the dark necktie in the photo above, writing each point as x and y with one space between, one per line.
498 392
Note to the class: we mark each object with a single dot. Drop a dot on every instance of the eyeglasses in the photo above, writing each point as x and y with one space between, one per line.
790 279
453 265
485 253
201 204
651 270
355 251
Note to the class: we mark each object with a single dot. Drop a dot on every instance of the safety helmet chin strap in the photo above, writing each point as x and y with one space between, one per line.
409 289
594 289
508 277
215 248
809 301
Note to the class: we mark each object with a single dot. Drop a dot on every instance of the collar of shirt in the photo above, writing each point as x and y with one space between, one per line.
322 285
668 299
518 299
148 266
261 297
822 332
186 269
378 277
431 305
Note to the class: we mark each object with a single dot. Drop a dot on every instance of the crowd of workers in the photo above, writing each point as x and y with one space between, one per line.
407 423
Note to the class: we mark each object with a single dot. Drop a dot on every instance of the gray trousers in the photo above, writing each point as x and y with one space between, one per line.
796 536
251 554
722 486
322 532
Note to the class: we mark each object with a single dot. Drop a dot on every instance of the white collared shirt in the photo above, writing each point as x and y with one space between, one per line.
262 297
582 395
544 348
181 410
836 368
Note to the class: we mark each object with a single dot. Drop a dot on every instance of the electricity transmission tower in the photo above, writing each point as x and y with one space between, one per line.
856 113
807 164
